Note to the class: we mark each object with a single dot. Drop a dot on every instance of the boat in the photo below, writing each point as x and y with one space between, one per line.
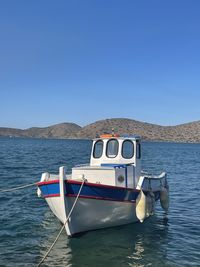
109 191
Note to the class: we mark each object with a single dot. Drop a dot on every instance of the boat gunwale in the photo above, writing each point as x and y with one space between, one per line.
88 184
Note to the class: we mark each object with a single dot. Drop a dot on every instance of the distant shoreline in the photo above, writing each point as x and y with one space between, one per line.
183 133
90 139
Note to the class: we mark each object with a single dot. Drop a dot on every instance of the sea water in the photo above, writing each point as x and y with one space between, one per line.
28 227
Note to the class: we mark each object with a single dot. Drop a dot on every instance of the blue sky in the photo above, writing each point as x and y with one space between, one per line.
81 61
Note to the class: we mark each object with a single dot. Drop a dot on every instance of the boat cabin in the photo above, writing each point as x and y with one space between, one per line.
115 160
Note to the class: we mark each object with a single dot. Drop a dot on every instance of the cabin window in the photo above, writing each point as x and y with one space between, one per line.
112 148
138 150
98 149
127 149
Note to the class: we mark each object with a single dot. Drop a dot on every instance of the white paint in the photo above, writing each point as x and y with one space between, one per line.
92 214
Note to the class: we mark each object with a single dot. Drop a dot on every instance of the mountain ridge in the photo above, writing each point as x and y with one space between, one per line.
186 132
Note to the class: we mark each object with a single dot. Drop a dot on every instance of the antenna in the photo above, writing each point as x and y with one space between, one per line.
113 131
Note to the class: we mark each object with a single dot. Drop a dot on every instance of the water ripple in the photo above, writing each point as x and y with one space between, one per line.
28 227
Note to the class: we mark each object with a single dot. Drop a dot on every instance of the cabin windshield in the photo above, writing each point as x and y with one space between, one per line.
127 149
112 148
98 149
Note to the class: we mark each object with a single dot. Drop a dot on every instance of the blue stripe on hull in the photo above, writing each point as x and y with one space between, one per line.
103 192
91 191
50 189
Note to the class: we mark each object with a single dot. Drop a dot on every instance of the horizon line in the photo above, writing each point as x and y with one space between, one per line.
116 118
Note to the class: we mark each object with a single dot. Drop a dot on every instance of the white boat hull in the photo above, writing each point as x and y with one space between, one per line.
84 206
91 214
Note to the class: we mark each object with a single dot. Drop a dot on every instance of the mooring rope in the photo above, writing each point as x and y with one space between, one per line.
58 235
16 188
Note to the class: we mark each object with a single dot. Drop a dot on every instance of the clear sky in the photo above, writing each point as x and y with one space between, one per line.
81 61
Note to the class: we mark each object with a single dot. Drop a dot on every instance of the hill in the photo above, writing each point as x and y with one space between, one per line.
62 130
188 132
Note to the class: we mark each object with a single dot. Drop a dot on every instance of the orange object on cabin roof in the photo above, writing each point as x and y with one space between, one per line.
109 135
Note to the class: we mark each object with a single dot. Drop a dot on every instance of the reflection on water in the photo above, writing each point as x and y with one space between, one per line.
28 227
129 245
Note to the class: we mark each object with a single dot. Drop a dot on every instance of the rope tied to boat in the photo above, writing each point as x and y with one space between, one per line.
17 188
62 228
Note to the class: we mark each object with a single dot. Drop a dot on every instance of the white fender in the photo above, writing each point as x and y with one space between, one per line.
164 198
141 206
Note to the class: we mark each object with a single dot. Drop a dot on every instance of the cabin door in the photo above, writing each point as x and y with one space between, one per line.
130 176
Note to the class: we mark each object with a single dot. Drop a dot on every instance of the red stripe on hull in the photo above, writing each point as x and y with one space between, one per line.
90 197
48 182
102 198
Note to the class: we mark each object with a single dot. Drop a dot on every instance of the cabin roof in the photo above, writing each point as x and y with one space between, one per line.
121 137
